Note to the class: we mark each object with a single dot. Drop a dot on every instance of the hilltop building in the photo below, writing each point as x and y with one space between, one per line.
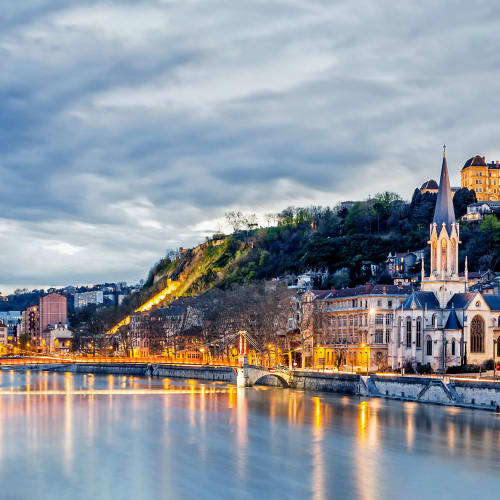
431 186
83 299
478 211
445 324
482 177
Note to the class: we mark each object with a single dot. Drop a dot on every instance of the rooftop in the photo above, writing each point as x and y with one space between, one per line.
475 161
369 290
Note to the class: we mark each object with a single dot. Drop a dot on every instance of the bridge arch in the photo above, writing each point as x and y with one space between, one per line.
271 379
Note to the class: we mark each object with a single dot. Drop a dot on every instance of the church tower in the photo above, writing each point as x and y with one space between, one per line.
444 240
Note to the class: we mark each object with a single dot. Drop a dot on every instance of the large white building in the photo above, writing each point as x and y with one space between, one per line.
83 299
444 324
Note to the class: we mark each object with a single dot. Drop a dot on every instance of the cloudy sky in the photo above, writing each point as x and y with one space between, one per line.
128 128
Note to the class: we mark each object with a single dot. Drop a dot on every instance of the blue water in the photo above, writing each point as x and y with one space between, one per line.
104 437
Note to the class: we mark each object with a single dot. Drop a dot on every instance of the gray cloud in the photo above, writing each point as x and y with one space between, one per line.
129 127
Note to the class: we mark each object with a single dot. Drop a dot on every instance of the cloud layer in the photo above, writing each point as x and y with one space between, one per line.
128 128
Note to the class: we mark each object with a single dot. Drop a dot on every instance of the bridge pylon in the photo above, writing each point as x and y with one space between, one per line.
242 375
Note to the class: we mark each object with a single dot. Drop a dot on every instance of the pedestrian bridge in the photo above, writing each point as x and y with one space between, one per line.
248 376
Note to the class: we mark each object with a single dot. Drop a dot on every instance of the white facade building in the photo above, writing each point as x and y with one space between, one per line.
444 324
84 299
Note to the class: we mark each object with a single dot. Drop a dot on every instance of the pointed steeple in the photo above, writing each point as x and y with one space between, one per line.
444 211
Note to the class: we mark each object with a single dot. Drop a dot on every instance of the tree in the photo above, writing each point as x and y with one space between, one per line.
462 198
235 219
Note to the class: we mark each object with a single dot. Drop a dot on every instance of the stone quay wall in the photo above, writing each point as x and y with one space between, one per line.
323 382
485 394
448 391
213 373
139 369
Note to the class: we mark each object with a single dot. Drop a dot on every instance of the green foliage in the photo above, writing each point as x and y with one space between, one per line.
461 199
337 239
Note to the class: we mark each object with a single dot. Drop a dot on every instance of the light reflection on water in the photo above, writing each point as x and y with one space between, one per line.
84 436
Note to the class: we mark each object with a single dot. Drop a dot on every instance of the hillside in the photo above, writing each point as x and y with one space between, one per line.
337 240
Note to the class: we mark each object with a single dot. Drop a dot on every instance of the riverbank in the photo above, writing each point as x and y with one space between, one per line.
461 392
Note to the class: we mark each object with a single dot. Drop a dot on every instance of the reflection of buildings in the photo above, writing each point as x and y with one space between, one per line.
445 324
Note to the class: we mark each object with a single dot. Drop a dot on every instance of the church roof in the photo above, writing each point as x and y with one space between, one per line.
421 300
430 184
460 300
444 211
493 301
453 323
369 290
475 161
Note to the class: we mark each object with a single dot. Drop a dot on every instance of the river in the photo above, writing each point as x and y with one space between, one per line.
65 435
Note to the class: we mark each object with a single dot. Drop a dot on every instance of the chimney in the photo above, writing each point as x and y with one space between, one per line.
385 289
497 163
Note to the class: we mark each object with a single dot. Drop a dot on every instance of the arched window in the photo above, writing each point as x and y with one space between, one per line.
400 321
433 320
477 334
444 255
453 255
408 332
428 346
419 332
434 256
453 347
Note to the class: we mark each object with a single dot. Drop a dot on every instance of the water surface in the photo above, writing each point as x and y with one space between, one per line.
66 435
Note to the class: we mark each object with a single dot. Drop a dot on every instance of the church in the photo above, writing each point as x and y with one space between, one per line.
444 324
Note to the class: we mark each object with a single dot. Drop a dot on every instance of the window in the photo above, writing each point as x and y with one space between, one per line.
408 332
387 337
351 321
428 346
433 320
419 332
388 319
453 347
477 334
389 303
379 337
379 319
379 303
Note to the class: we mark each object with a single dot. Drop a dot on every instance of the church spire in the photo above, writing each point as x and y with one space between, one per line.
444 211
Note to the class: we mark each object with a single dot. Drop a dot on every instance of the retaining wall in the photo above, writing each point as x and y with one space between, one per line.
338 382
214 373
486 394
113 369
